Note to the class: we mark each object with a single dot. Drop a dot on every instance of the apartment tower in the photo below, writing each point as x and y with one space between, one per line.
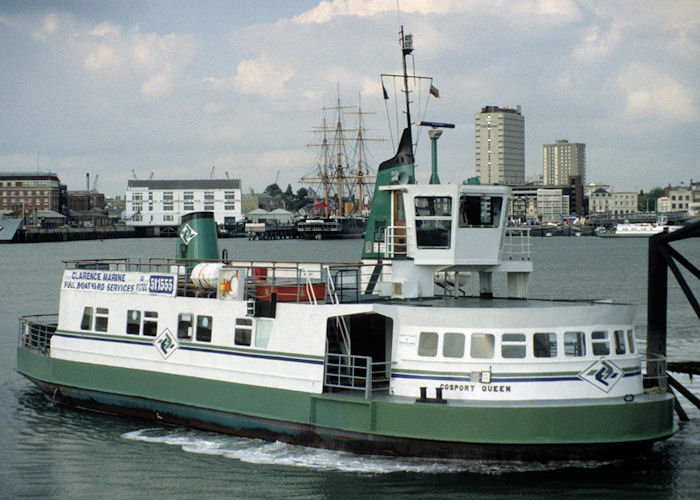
500 146
562 161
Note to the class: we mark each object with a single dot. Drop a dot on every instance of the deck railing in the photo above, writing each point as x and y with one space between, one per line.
516 244
35 331
291 281
654 375
347 372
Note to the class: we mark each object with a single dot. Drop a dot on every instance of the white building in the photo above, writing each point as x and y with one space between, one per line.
552 204
624 203
164 202
500 146
599 202
563 160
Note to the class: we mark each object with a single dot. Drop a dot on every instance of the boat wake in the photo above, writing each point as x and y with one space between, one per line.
261 452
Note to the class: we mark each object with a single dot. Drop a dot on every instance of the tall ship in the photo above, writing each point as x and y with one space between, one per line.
390 355
341 180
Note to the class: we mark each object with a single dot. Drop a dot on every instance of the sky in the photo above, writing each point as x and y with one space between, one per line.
180 89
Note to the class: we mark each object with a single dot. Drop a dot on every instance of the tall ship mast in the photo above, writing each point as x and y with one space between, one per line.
341 177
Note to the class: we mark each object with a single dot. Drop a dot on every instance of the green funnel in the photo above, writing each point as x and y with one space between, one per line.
197 238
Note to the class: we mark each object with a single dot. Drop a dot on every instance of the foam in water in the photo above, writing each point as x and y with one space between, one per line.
277 453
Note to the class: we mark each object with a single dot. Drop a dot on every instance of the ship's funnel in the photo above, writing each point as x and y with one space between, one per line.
197 237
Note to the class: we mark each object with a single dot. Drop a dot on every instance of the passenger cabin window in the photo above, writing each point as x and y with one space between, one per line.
480 211
453 345
185 325
544 345
101 319
150 323
433 221
133 322
601 343
86 322
513 345
482 345
204 328
620 342
427 344
574 344
244 331
630 340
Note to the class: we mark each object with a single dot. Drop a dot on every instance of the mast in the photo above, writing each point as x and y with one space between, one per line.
359 152
407 49
339 152
325 169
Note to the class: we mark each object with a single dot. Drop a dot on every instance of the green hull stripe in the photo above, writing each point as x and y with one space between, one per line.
610 422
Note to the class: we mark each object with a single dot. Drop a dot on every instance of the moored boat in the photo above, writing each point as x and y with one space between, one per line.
390 355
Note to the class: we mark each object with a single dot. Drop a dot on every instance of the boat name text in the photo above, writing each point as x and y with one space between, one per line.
473 387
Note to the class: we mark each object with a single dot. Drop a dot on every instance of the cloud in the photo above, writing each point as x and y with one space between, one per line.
262 76
651 95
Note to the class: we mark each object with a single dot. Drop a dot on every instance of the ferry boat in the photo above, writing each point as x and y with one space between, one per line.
390 355
638 230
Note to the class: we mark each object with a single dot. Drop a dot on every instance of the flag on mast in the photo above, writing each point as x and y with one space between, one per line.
434 91
386 95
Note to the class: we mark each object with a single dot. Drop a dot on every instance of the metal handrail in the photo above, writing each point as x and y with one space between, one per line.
516 244
356 373
654 371
35 332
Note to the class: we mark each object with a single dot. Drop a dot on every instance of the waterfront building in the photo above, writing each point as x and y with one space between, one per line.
563 160
523 203
599 202
160 203
553 204
624 203
605 201
500 146
680 198
26 193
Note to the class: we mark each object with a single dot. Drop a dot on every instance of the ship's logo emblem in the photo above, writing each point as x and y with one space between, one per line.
188 234
166 343
603 374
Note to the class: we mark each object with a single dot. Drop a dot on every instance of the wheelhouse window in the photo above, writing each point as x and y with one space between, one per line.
204 328
482 345
513 345
244 331
453 345
433 221
86 322
185 325
544 345
620 342
101 319
479 211
133 322
427 344
600 343
574 344
630 340
150 323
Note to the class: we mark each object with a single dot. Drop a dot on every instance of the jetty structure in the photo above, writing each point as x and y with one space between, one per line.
389 355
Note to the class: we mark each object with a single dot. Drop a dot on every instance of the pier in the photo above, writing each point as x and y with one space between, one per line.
662 257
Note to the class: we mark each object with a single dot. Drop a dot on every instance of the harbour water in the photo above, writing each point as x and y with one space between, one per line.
47 450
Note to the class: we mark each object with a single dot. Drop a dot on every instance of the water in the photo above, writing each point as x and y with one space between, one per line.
47 450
